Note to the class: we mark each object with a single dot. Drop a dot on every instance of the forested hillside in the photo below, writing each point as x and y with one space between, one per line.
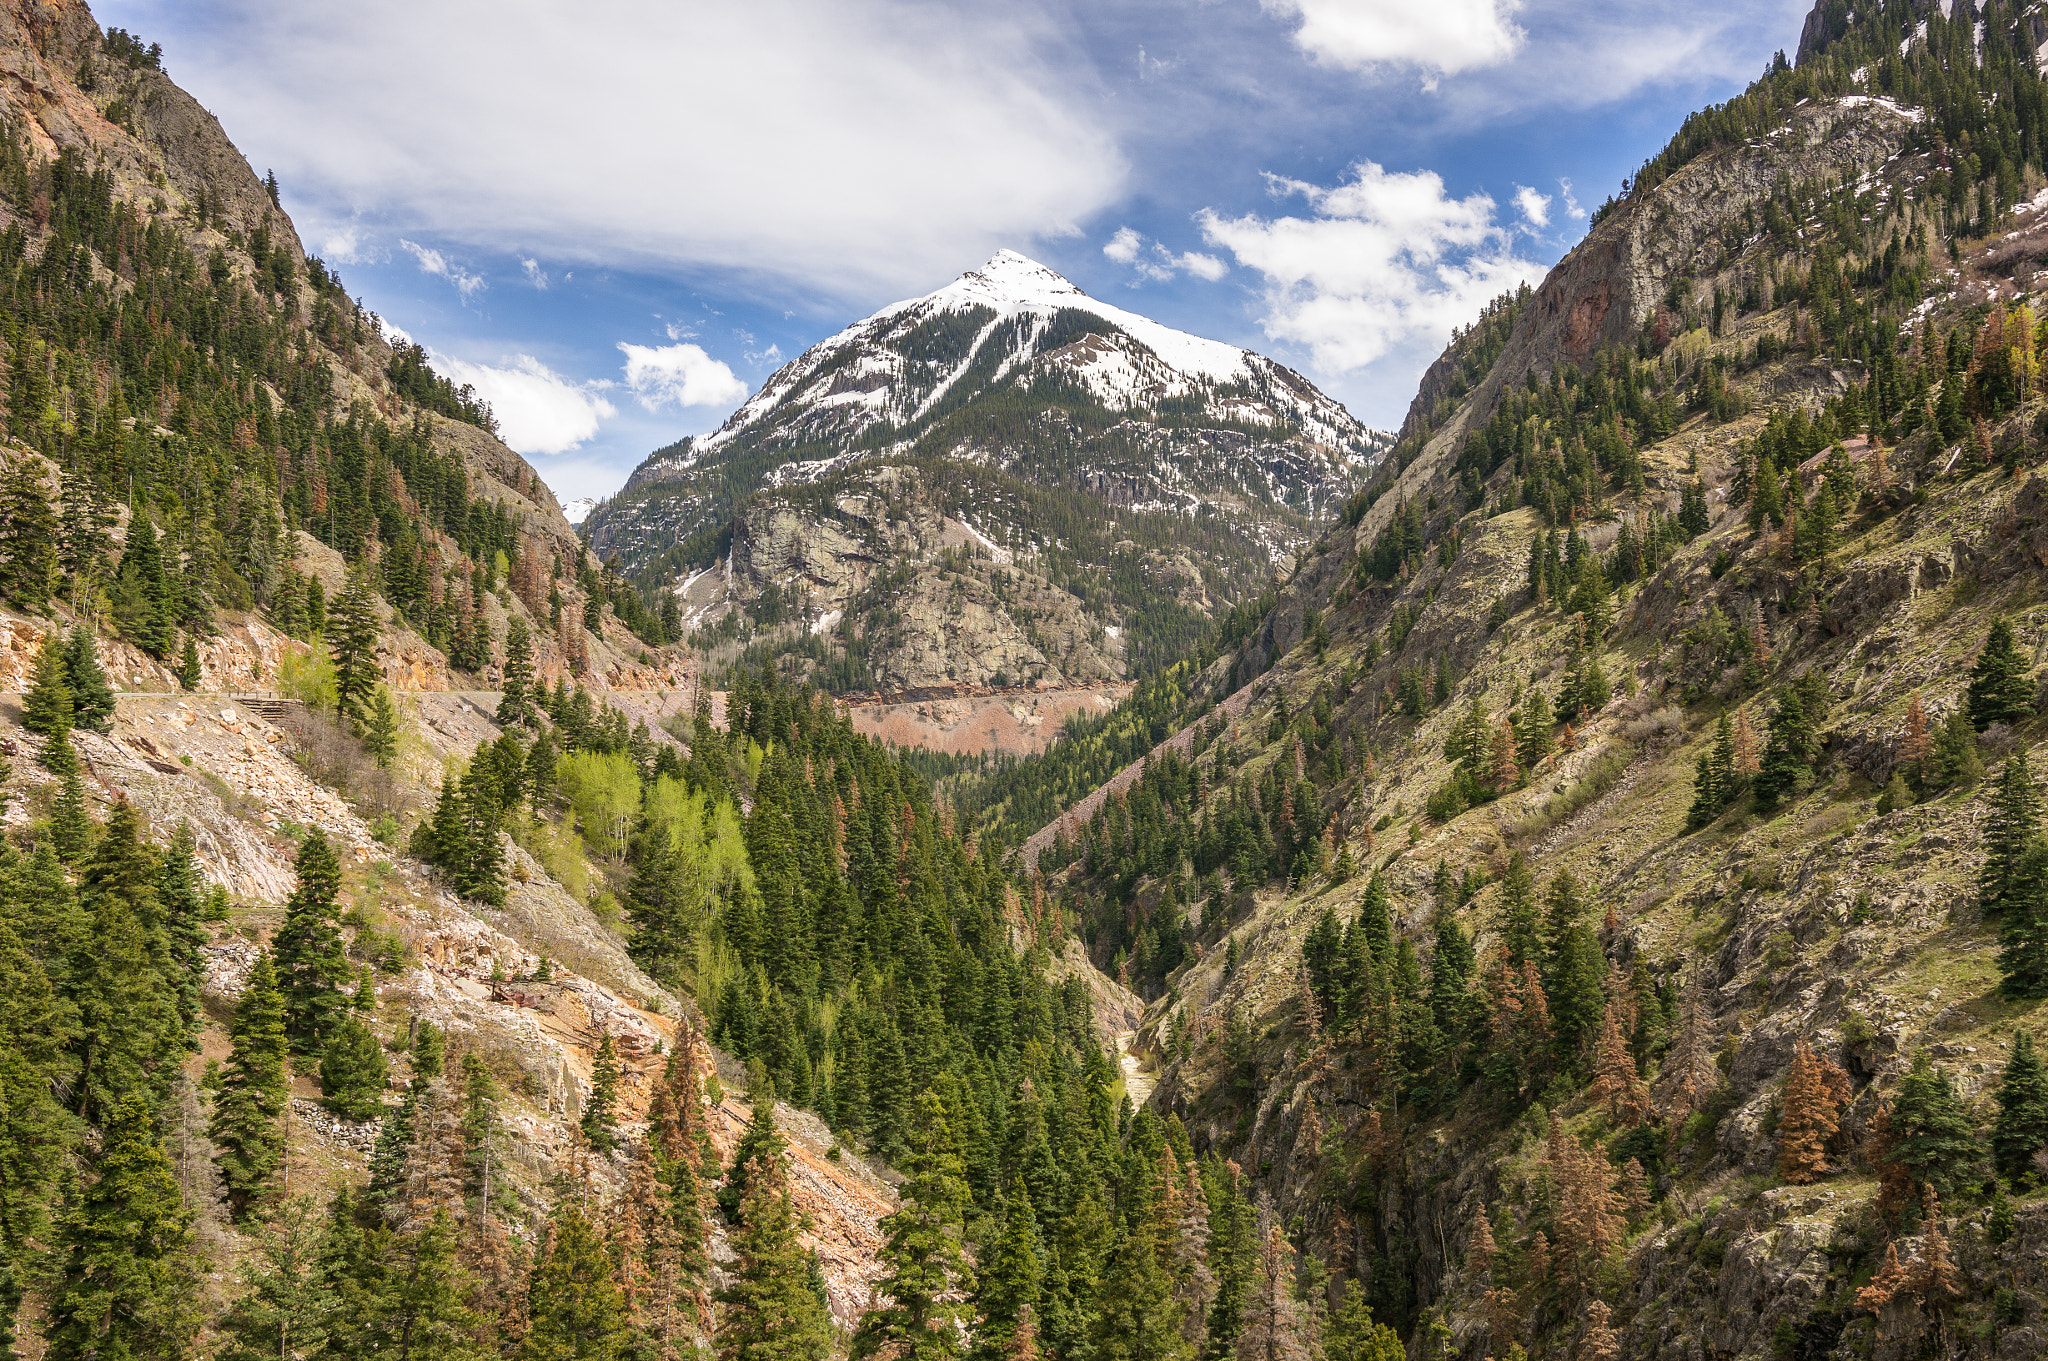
1597 919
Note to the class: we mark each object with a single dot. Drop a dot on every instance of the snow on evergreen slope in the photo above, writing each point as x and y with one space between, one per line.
1010 324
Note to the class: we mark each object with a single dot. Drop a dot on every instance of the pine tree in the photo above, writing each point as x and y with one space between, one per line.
1599 1343
516 706
353 1072
286 1300
380 729
70 819
92 699
1933 1274
46 708
2023 925
1520 930
573 1308
1275 1328
1137 1317
2013 820
247 1126
1807 1121
312 967
1354 1335
602 1108
125 1286
28 537
1008 1282
1915 746
771 1313
2022 1127
928 1274
2001 684
189 674
1615 1081
353 627
1933 1138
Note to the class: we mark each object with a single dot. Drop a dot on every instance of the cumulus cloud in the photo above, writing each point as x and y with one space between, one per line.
1127 247
1382 261
683 375
535 275
435 263
844 144
1535 207
539 411
1446 36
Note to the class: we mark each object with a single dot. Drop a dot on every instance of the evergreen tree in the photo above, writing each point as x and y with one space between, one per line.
312 966
516 705
1354 1335
928 1271
2012 822
380 729
1954 759
573 1309
1933 1138
2023 925
391 1159
770 1313
144 606
353 1072
2001 683
602 1108
2022 1127
760 1138
28 537
189 674
1520 929
352 632
180 897
125 1286
1006 1288
286 1301
247 1127
92 699
1137 1317
46 708
70 819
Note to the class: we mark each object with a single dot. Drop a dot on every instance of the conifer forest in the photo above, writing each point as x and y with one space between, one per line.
1587 899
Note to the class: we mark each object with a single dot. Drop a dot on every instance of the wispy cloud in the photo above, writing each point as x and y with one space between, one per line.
1159 264
535 275
435 263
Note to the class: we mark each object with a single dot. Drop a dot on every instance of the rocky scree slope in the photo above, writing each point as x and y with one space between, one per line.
1839 919
995 416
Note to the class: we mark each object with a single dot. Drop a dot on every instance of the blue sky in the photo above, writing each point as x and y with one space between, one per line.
617 218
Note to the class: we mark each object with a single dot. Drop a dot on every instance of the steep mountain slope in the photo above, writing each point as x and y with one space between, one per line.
1491 897
995 418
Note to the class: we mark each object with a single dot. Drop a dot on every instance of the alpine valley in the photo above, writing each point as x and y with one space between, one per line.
1563 881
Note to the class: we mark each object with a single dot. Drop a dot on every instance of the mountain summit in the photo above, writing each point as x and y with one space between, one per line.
1006 324
1011 402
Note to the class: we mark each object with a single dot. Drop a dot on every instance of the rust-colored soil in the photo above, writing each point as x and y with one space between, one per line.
1022 722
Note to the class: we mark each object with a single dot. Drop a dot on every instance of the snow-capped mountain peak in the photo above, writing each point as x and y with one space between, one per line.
1011 323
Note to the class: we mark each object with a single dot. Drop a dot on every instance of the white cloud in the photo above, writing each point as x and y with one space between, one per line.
1387 260
393 333
439 265
1446 36
682 374
538 410
535 275
343 245
844 144
1571 202
1127 247
1534 206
